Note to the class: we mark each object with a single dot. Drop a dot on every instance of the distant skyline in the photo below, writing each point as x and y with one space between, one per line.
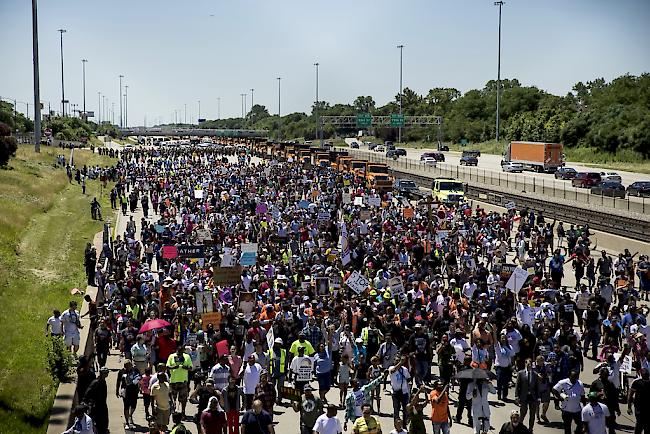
176 53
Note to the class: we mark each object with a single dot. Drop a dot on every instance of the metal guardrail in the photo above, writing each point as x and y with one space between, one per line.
530 184
560 210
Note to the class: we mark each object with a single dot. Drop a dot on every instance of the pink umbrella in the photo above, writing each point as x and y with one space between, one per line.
154 324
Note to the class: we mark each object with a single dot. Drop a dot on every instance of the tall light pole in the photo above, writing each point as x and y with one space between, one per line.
399 129
126 105
218 108
279 116
37 88
318 127
185 115
62 31
242 104
83 64
252 103
99 109
500 4
120 94
199 117
105 116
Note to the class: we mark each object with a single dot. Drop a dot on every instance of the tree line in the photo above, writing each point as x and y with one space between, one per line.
609 116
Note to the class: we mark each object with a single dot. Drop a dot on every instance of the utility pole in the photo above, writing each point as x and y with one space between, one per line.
500 4
252 94
62 31
37 88
99 109
218 108
242 104
399 129
120 94
279 116
185 115
126 105
199 110
83 64
318 124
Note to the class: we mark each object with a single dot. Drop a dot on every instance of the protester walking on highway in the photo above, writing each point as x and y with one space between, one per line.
161 397
96 396
83 424
514 426
257 421
71 327
328 422
127 388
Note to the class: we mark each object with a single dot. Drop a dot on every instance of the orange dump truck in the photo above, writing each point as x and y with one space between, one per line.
536 156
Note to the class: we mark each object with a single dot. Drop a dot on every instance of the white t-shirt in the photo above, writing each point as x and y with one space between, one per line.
595 416
251 377
469 289
56 326
399 379
70 321
327 425
460 346
573 392
302 368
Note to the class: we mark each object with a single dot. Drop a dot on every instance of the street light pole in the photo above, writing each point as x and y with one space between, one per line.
242 104
318 126
199 110
99 108
500 4
185 114
399 129
120 94
62 31
83 64
279 116
252 103
126 105
37 88
218 108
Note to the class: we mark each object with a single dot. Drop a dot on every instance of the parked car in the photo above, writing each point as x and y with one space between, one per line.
639 188
401 151
509 166
609 188
468 160
354 145
444 148
586 179
429 161
380 148
565 173
439 156
610 176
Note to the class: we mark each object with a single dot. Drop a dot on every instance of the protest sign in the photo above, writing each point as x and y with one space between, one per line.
344 241
248 254
226 275
322 286
261 208
323 216
227 258
203 234
246 302
364 214
213 318
270 337
290 393
198 194
169 252
374 201
347 198
357 282
517 279
204 302
190 251
396 286
358 200
510 205
409 213
305 369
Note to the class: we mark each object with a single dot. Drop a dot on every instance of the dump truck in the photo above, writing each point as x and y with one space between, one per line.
322 159
448 190
357 167
536 156
378 177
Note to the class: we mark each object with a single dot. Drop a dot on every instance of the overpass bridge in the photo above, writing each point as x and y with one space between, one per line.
198 132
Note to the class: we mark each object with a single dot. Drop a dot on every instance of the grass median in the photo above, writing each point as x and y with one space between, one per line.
45 224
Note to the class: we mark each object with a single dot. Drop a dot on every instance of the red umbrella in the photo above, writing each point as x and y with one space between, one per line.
154 324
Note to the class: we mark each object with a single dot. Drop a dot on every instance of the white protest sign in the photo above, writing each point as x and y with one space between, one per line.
626 364
270 337
358 200
203 234
323 215
374 201
517 279
305 369
198 194
510 205
396 286
357 282
347 198
228 259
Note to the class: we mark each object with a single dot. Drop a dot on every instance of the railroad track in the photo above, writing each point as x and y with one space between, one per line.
561 210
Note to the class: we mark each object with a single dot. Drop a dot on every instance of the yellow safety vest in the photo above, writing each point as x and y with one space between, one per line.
283 357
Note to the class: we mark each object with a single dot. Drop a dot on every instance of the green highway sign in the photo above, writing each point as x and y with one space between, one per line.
396 120
364 120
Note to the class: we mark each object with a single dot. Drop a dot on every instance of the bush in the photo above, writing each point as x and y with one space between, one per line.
8 144
61 361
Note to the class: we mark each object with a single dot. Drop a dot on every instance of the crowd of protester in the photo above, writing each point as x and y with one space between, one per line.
337 286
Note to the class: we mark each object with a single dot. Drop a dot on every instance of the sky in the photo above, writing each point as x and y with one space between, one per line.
174 54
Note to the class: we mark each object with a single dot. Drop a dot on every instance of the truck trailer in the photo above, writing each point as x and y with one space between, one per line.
536 156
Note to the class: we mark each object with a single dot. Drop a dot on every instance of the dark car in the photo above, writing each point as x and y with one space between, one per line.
371 146
444 148
392 153
639 188
354 145
565 173
407 188
467 160
472 153
586 179
609 188
401 151
438 156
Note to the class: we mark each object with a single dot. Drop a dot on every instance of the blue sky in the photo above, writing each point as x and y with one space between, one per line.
179 52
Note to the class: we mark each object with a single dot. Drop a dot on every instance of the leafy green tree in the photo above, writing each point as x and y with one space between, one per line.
8 144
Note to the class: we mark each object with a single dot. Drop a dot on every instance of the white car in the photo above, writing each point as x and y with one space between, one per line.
429 161
610 176
512 167
380 148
